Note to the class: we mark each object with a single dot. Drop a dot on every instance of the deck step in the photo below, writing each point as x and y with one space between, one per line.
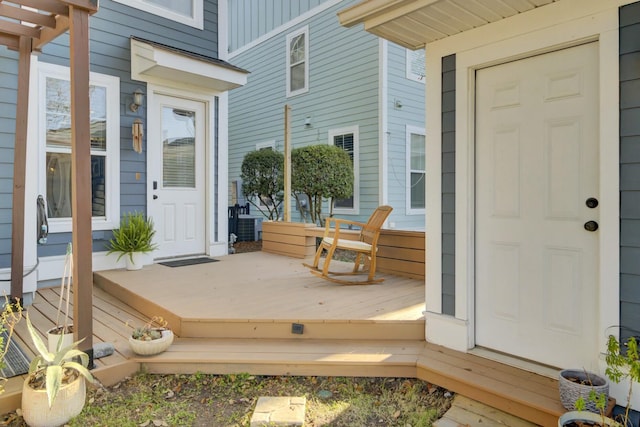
465 412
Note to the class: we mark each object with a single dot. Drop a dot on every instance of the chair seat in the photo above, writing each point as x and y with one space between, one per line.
353 245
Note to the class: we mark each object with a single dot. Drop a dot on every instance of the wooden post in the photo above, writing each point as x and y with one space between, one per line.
81 180
19 170
287 163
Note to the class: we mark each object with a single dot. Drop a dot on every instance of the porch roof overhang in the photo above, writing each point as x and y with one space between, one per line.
415 23
156 60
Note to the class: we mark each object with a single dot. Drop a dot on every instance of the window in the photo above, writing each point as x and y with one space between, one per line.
55 146
416 65
416 161
268 145
347 139
298 62
189 12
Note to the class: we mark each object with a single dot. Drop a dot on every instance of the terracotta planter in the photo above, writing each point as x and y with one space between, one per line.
53 338
149 348
577 416
68 404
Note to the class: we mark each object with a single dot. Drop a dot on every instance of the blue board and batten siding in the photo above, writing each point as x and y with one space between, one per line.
110 30
343 92
448 184
630 170
8 97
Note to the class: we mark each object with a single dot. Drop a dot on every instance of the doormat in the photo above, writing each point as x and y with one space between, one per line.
190 261
16 361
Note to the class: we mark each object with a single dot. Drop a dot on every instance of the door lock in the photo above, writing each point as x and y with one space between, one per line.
591 226
592 202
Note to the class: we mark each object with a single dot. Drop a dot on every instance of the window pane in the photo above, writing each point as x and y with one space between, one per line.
417 190
297 77
182 7
346 143
296 49
417 152
59 185
178 148
58 114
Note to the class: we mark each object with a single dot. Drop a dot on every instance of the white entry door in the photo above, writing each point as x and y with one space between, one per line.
536 188
176 150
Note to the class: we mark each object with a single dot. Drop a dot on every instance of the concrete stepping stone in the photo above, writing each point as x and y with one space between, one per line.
285 411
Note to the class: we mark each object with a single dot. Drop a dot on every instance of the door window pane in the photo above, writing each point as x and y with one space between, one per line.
178 148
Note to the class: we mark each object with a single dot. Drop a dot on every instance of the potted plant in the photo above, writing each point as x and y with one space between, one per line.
133 238
54 390
153 337
575 384
61 335
621 364
9 318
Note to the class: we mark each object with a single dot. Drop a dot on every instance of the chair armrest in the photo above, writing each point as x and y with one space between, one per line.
337 223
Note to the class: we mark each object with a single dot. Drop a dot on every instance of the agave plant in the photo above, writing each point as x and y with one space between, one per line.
134 235
51 370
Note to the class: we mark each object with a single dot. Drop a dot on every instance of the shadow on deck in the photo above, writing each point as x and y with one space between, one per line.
238 315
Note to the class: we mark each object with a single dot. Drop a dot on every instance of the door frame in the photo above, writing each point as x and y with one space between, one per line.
153 91
553 27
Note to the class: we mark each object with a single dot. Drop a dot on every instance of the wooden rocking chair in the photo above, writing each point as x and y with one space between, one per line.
365 245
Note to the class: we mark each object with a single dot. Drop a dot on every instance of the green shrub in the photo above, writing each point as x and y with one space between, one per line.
134 235
321 172
263 180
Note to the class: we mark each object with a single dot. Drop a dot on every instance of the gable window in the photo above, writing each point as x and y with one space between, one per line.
347 139
416 65
189 12
298 62
54 92
416 162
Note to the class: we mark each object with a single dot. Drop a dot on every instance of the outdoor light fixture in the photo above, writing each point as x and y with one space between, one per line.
137 100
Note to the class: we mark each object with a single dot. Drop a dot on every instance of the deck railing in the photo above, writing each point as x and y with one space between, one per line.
399 252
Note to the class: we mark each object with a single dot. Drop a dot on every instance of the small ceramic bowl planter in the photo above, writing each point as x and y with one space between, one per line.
149 347
585 418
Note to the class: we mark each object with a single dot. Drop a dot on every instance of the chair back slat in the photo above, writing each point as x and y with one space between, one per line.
374 224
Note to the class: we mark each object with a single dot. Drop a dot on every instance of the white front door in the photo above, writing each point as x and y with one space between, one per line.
536 187
176 182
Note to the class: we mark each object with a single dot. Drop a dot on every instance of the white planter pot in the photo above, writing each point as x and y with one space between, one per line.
573 416
149 348
53 338
138 260
68 404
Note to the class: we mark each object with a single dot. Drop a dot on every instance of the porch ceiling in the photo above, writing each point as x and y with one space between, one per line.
39 20
414 23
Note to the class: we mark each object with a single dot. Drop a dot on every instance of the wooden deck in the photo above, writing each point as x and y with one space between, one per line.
236 315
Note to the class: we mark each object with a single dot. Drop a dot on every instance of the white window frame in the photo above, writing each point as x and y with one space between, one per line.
111 219
196 21
413 130
304 30
355 130
409 73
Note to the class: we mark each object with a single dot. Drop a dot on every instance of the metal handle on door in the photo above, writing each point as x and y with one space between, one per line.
591 226
592 202
155 197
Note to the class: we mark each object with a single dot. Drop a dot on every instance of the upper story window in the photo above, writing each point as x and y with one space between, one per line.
416 162
348 140
298 62
416 65
189 12
54 144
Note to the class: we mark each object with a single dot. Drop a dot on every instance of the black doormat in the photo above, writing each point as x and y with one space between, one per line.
190 261
16 361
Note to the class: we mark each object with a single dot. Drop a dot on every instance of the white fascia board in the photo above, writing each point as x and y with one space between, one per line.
151 61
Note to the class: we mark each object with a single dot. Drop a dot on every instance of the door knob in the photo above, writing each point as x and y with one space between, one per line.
156 196
591 226
592 202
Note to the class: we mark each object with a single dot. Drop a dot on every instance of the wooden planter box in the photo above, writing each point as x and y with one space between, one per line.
399 252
